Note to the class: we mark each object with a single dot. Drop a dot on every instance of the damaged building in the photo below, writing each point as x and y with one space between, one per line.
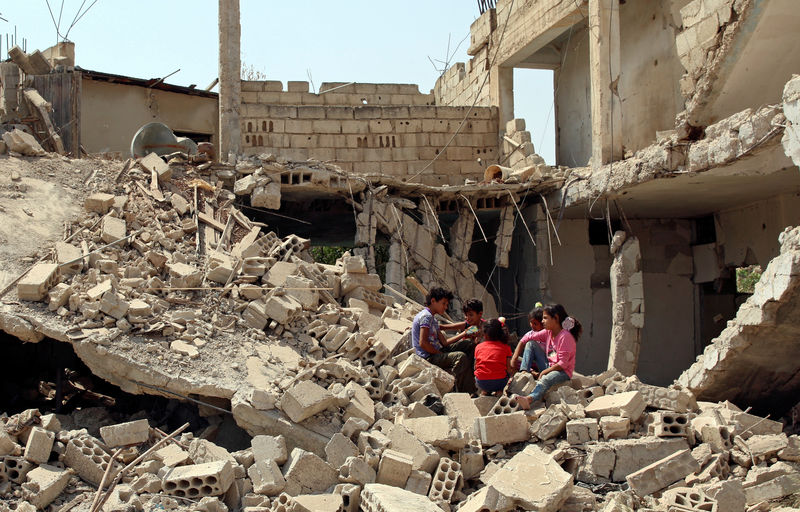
285 383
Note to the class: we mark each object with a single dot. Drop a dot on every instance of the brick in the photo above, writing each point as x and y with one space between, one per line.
356 470
304 400
628 405
394 468
37 282
199 480
124 434
503 429
99 203
446 480
44 484
39 445
662 473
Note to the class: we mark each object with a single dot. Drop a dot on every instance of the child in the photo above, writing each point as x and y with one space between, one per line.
560 334
429 341
473 317
493 359
528 356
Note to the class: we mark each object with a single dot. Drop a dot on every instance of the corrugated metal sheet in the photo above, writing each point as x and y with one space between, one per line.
63 91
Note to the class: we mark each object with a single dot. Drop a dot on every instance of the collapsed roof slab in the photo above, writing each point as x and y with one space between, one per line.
740 161
754 360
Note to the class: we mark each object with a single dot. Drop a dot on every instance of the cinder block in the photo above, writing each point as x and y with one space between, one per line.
45 484
66 254
38 281
89 460
351 496
394 468
670 424
582 431
628 405
39 445
380 497
503 429
504 405
361 404
124 434
114 305
446 480
634 454
662 473
199 480
471 458
172 455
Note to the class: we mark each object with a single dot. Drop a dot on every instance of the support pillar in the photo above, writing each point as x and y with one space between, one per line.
395 271
627 304
230 81
604 69
501 83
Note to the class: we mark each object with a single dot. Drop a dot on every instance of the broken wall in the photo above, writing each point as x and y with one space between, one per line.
379 137
112 113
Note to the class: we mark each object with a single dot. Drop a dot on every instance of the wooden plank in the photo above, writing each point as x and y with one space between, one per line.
211 221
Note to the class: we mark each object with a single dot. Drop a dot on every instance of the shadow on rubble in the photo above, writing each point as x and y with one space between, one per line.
50 377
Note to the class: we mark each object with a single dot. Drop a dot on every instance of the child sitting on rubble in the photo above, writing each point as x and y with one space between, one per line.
560 335
525 349
493 359
430 343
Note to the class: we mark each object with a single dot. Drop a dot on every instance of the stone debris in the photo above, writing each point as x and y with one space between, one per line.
314 362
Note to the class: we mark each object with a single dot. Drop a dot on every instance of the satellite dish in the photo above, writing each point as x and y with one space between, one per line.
158 138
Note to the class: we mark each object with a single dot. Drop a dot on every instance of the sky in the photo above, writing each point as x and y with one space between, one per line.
356 40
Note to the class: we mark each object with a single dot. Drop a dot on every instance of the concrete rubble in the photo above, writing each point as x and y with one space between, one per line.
313 361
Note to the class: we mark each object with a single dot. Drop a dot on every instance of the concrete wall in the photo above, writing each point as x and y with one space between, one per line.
398 140
754 229
572 102
112 113
651 71
461 84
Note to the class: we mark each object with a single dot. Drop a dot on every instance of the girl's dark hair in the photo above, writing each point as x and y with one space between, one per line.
536 314
558 311
495 331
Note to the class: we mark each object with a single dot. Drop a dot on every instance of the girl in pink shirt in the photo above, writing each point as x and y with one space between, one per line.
559 338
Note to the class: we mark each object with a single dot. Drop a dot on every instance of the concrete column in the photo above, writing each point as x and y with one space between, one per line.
395 271
627 304
501 92
604 66
230 81
544 242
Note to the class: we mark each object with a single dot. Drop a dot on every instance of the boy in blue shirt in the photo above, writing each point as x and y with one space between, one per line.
430 343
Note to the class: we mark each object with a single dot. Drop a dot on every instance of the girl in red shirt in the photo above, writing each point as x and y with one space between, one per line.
493 359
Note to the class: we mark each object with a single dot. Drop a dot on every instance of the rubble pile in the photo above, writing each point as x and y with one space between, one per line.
164 287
